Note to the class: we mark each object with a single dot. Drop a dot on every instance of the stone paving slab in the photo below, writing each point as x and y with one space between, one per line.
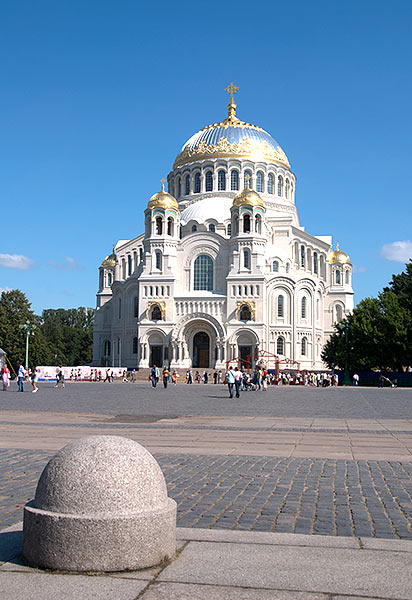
182 591
42 586
369 573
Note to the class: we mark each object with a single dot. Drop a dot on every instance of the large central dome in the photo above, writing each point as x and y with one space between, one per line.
232 137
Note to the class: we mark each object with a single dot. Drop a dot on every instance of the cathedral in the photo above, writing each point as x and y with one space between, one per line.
223 270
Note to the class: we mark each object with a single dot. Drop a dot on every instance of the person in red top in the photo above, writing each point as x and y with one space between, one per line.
5 375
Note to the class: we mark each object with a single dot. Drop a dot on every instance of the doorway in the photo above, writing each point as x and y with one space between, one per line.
244 353
201 350
156 356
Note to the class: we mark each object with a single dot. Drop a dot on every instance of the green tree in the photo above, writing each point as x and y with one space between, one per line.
70 334
378 336
15 309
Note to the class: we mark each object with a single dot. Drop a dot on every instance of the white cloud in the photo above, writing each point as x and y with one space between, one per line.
69 265
359 269
15 261
5 289
397 251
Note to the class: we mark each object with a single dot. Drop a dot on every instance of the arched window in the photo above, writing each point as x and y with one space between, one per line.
123 268
170 228
209 181
245 313
259 182
187 185
107 348
135 345
203 273
287 267
258 224
347 277
194 228
234 180
141 254
236 224
179 187
156 313
120 308
246 223
271 184
246 258
212 227
136 307
221 180
129 265
302 256
159 226
247 179
338 313
280 345
275 266
158 260
197 183
337 277
303 308
315 263
303 346
109 279
281 306
287 188
229 229
280 185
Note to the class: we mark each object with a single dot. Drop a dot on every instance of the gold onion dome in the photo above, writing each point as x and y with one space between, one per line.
163 200
339 257
110 261
232 137
249 197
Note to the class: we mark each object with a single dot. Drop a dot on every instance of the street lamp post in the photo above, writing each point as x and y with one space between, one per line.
28 328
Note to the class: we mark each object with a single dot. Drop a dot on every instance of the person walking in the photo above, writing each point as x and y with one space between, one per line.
230 376
154 375
20 378
166 374
34 379
238 381
175 377
5 376
59 377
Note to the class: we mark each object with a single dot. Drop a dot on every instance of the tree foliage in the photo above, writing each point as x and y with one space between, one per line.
61 336
379 331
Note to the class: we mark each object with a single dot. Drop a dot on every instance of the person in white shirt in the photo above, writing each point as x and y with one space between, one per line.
230 381
238 381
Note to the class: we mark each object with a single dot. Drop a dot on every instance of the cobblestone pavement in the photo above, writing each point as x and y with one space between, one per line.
293 495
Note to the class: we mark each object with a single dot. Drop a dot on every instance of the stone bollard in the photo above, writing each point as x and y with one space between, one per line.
101 504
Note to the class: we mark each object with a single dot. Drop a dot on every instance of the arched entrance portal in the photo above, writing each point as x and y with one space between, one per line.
201 350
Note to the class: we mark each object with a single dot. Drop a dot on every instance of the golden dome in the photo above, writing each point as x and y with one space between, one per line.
110 261
249 197
339 257
163 200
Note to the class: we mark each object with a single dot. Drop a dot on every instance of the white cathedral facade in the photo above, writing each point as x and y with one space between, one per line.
223 270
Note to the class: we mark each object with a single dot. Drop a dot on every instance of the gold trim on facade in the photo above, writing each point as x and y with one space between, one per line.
250 305
162 307
224 149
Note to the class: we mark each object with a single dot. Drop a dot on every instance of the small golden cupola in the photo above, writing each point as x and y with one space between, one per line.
339 257
163 200
248 197
110 261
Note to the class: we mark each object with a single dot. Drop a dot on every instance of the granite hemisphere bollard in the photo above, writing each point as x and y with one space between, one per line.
101 504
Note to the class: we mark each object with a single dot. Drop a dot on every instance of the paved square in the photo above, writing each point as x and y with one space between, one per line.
332 461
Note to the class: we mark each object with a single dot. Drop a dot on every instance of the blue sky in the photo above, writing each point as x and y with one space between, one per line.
97 98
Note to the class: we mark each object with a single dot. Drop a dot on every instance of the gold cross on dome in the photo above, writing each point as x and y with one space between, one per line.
231 89
163 181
